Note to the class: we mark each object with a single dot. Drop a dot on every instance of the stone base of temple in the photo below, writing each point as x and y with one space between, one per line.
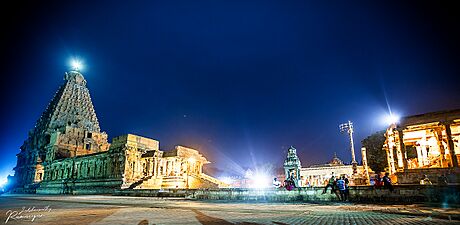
109 186
194 181
99 186
413 176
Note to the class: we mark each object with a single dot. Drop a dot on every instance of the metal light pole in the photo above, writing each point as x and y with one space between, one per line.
348 127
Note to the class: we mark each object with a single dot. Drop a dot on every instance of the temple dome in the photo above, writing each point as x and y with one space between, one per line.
335 160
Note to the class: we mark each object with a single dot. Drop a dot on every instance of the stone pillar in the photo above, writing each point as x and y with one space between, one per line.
450 145
396 157
391 148
166 168
154 173
424 152
419 155
366 171
158 172
402 149
178 167
390 160
438 135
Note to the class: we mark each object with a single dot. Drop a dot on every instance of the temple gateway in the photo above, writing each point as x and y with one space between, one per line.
66 152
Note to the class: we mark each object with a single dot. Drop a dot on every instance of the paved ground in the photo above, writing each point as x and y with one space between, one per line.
99 210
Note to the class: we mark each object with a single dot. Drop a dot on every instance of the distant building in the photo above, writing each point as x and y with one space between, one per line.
318 175
66 152
426 144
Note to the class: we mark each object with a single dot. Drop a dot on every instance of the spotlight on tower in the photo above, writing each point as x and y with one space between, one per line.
391 119
76 64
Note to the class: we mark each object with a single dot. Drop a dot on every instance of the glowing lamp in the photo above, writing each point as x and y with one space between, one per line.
3 182
76 64
392 119
260 180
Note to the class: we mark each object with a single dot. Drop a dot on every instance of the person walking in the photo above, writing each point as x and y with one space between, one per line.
387 182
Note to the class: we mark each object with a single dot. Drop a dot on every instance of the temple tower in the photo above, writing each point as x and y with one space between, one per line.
292 166
67 128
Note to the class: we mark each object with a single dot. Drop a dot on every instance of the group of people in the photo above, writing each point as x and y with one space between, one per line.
384 182
340 184
442 180
289 184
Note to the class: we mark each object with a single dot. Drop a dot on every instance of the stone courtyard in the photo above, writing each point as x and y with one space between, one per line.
101 209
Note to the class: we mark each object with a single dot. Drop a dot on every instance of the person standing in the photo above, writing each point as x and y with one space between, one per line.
425 180
347 188
442 180
342 188
330 183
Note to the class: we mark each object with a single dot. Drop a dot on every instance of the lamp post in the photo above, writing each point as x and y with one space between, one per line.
348 127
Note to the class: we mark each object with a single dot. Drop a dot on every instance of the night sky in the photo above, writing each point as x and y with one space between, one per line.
239 80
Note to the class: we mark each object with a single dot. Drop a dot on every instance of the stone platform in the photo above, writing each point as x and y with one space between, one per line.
402 194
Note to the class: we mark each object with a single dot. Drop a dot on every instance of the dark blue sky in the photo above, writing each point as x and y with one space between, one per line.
239 80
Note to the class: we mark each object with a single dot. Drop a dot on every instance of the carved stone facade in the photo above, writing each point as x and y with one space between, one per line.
292 166
66 152
426 144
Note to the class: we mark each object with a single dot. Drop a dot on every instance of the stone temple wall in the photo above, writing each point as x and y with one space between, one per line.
413 176
95 173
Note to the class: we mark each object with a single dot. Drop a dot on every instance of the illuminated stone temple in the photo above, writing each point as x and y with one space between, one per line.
426 144
66 152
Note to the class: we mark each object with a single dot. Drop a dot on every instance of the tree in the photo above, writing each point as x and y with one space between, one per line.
376 156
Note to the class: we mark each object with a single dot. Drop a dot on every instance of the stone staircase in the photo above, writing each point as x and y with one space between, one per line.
172 182
209 181
139 182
